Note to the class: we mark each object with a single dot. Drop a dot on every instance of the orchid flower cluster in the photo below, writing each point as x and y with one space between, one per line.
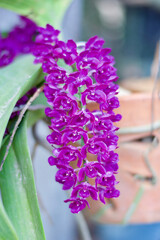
19 41
76 130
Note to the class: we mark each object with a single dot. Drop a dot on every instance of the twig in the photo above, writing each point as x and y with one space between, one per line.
139 129
35 95
83 226
81 223
132 208
154 142
32 108
101 211
38 195
34 151
154 89
147 162
39 141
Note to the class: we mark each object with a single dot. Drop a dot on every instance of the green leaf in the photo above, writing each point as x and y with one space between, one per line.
41 11
34 116
18 188
7 231
40 100
15 80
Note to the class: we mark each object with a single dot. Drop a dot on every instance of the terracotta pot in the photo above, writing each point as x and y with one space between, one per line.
139 166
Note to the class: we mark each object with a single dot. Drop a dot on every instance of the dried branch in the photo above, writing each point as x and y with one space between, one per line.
81 223
147 161
154 89
32 108
83 226
139 129
39 141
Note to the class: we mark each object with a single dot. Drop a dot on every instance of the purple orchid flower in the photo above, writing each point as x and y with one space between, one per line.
50 93
95 94
66 51
93 59
110 157
94 43
110 104
47 35
53 161
73 134
103 123
8 53
42 53
87 60
59 118
19 41
49 66
67 177
22 35
108 193
81 118
91 170
85 190
111 167
95 146
56 77
77 204
65 102
105 73
68 154
76 80
55 137
106 180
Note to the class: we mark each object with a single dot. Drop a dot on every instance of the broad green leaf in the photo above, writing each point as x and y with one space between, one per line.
40 100
7 231
15 80
41 11
34 116
18 188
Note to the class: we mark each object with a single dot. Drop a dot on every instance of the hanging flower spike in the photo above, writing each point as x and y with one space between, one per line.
71 122
19 41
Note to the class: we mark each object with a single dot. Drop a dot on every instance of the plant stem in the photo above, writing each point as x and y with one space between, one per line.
139 129
133 205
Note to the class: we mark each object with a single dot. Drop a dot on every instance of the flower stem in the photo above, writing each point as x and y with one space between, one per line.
133 206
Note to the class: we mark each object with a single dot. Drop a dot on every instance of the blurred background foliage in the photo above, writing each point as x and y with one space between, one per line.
130 28
42 12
